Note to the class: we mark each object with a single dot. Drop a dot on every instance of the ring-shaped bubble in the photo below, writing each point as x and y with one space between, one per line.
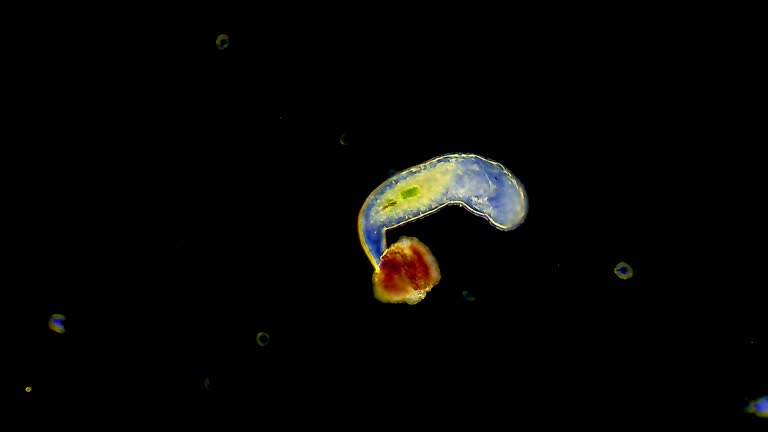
262 338
623 271
222 41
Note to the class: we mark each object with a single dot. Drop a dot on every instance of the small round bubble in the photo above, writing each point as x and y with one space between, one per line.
623 270
222 41
262 339
56 323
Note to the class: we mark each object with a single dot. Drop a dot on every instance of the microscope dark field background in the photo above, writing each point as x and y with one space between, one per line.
178 203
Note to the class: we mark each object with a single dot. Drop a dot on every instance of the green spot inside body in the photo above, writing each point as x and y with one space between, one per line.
410 192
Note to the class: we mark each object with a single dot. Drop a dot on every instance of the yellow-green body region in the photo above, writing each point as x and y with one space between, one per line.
758 407
482 186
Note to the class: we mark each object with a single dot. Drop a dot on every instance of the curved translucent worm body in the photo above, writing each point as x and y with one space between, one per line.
406 271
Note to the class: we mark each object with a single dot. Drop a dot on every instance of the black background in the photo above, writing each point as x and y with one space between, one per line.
173 200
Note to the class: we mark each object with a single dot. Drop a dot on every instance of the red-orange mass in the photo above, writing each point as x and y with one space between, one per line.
407 271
